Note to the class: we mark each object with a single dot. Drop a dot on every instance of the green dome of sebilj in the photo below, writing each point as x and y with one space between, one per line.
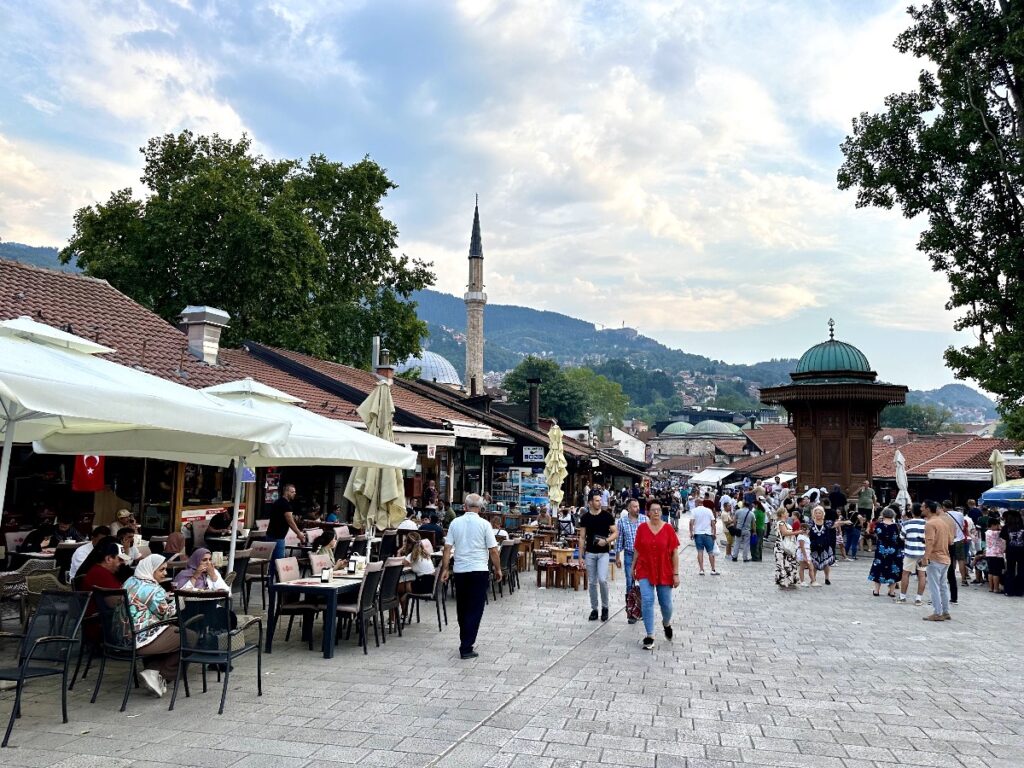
833 357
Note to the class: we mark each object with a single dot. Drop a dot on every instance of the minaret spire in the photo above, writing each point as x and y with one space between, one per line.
475 300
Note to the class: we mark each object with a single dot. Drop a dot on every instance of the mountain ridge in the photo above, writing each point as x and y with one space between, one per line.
513 332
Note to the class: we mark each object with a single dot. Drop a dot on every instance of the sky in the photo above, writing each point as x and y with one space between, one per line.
669 165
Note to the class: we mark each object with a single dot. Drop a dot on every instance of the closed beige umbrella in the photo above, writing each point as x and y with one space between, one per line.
378 493
998 464
554 466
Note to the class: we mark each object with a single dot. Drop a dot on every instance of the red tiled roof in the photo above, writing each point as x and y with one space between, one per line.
364 381
730 446
771 438
94 309
924 453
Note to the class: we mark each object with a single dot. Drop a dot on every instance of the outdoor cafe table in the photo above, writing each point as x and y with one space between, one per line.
339 584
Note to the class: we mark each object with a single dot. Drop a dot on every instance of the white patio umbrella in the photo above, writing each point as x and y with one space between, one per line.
312 439
903 496
998 464
53 383
378 493
554 466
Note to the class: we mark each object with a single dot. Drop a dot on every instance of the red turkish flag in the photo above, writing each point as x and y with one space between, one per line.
88 474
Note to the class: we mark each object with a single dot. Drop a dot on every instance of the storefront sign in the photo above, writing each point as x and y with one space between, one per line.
205 513
533 454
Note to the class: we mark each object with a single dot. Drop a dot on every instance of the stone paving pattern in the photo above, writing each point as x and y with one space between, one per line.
829 677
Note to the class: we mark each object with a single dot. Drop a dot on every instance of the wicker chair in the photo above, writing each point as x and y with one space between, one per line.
38 583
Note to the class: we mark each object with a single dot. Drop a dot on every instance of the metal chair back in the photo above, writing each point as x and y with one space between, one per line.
342 549
388 545
59 614
204 622
371 582
115 620
390 579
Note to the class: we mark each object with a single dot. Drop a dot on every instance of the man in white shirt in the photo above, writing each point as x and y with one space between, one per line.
958 550
79 555
702 530
472 539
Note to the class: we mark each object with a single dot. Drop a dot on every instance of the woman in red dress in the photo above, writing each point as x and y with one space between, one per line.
656 570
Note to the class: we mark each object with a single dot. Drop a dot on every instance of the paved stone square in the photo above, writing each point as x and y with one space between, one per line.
828 677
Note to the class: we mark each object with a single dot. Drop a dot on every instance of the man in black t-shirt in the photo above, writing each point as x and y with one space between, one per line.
596 535
281 520
220 524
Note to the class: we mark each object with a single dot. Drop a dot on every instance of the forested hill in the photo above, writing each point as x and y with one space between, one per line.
514 332
37 256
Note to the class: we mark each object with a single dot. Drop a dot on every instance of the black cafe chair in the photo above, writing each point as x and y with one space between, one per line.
46 647
388 601
436 596
204 625
118 636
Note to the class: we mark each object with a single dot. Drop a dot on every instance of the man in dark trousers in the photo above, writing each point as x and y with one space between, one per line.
473 540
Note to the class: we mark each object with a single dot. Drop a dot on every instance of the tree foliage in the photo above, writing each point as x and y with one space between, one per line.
605 400
298 252
641 386
923 419
575 397
951 153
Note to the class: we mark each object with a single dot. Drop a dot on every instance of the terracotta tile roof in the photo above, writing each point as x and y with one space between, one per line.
771 438
924 453
684 463
731 446
460 402
766 462
95 309
364 381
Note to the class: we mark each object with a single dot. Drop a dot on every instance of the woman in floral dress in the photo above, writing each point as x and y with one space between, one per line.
822 533
785 559
887 567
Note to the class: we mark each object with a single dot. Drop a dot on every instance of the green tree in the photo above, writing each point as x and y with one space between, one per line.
603 396
924 419
950 152
298 252
560 398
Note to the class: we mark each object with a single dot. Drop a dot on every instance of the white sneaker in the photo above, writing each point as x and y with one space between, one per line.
152 681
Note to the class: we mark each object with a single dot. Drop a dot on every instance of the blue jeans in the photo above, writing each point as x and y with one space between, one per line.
627 565
597 577
852 541
647 592
279 552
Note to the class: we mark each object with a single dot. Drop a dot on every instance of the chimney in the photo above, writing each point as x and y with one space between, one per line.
203 325
472 387
533 420
384 367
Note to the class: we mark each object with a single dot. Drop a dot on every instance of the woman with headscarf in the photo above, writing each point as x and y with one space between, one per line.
175 545
149 605
200 574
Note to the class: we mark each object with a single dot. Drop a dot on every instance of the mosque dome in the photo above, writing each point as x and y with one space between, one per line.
677 428
432 367
833 358
712 427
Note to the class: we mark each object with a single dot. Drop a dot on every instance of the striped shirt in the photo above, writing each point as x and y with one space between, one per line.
913 530
627 532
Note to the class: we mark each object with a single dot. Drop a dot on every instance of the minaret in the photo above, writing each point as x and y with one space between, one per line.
475 300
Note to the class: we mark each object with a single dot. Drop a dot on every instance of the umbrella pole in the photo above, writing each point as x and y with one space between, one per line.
234 518
5 460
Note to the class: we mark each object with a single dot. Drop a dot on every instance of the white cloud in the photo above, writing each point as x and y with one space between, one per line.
43 105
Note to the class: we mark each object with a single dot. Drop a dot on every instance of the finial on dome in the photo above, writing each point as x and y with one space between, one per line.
831 329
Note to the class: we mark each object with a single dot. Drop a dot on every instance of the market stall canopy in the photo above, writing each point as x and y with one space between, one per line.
54 384
711 476
1009 495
